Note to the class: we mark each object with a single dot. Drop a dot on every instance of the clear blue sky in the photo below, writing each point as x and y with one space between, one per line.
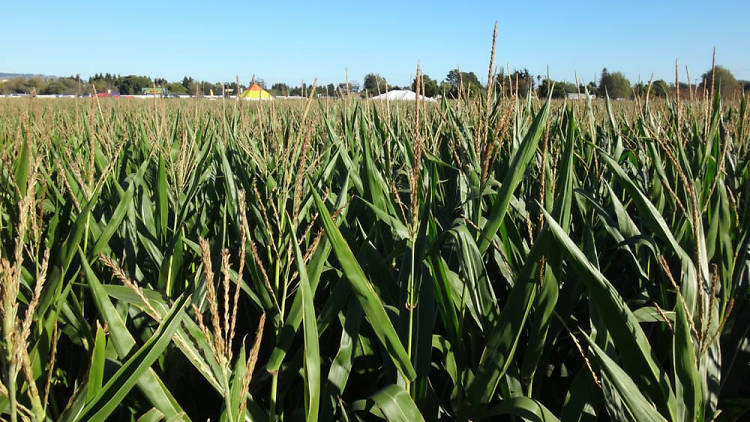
295 41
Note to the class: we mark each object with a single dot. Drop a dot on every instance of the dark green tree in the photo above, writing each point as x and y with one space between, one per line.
658 88
616 85
520 81
177 88
100 85
722 80
591 88
431 87
229 88
207 88
559 89
52 88
374 84
466 81
279 88
187 82
132 84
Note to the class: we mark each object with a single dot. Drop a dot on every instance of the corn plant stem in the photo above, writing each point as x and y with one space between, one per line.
410 305
86 232
12 403
224 225
9 316
85 242
275 375
274 388
529 388
227 393
171 258
276 275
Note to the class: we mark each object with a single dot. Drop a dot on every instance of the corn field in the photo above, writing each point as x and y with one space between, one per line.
488 258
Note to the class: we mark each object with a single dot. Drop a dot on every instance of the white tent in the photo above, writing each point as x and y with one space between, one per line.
401 95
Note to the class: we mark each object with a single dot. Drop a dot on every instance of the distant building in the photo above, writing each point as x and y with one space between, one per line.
402 95
255 92
109 93
577 96
154 91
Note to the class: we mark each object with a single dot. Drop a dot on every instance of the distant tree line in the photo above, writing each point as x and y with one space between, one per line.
40 85
456 83
613 84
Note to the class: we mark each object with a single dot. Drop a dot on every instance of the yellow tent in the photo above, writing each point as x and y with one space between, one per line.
255 92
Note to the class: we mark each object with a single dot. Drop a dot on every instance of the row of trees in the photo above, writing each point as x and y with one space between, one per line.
41 85
132 84
456 83
453 82
614 84
105 82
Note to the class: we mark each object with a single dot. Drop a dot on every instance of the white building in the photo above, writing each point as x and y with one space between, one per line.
577 96
401 95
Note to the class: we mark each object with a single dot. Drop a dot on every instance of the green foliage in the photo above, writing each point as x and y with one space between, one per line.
374 84
722 79
431 87
169 260
279 89
518 82
177 88
132 84
559 89
53 87
658 88
466 82
69 86
616 85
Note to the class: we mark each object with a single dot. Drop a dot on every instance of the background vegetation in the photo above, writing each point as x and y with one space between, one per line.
373 84
480 258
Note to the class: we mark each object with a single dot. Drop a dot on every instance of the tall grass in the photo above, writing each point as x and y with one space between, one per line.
481 258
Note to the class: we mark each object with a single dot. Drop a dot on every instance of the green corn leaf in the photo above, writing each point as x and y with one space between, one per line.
62 258
582 398
162 200
114 222
637 404
515 174
522 407
123 342
688 384
96 370
189 338
365 294
396 405
310 331
153 415
629 338
22 166
503 337
111 395
652 217
395 224
294 318
236 392
341 366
